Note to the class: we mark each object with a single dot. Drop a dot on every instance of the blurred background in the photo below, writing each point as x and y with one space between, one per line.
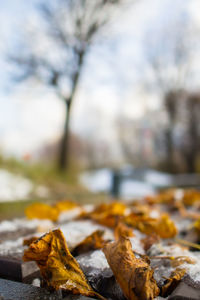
97 97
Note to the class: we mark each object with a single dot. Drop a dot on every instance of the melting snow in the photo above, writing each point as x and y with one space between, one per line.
76 231
16 224
70 214
96 258
14 187
136 243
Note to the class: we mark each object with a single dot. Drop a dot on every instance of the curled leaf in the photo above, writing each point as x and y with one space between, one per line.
163 226
191 197
108 214
166 227
58 267
179 260
172 282
93 242
28 241
134 275
150 240
123 230
41 211
165 197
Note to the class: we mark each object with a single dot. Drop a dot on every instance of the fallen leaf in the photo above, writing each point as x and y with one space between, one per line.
123 230
27 242
179 260
93 242
150 240
172 282
41 211
163 226
134 275
191 197
65 205
58 267
108 214
165 197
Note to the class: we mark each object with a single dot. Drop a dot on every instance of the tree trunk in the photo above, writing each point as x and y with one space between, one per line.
193 147
65 140
170 150
170 105
65 144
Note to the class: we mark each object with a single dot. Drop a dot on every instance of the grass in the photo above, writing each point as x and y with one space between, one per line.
40 172
10 210
61 185
15 209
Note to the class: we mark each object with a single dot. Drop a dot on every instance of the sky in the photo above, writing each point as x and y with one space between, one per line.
31 115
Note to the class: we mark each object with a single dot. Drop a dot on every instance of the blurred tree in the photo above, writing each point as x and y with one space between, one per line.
55 52
170 55
191 145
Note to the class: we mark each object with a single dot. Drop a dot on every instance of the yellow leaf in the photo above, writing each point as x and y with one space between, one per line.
93 242
108 214
134 275
65 205
163 226
172 282
179 260
41 211
166 227
191 197
122 230
58 267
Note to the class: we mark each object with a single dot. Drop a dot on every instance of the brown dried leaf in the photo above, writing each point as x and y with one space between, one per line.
164 226
172 282
150 240
108 214
191 197
41 211
165 197
93 242
27 242
58 267
134 275
179 260
123 230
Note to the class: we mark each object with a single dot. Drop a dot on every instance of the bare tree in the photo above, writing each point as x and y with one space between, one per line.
170 52
56 52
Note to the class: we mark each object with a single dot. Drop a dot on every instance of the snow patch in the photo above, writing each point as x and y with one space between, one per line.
96 259
76 231
14 187
16 224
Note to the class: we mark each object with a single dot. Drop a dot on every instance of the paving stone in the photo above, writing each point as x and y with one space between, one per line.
101 280
185 292
75 297
11 290
13 268
13 235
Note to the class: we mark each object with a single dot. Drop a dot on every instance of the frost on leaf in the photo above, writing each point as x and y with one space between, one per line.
58 267
134 275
